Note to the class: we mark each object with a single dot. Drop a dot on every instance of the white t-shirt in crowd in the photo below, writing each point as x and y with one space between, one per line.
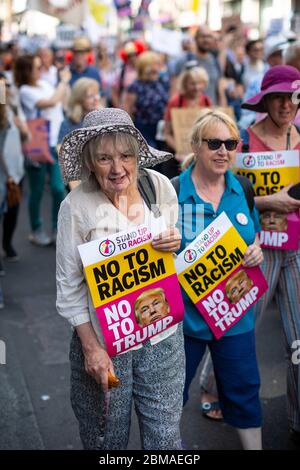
31 95
50 76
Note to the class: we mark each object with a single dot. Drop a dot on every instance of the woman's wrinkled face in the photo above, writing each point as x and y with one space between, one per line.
91 101
115 168
215 162
281 107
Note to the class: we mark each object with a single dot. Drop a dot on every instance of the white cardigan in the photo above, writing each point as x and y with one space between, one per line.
87 214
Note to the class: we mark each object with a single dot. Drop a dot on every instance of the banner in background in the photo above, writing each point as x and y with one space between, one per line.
68 11
270 172
211 273
195 5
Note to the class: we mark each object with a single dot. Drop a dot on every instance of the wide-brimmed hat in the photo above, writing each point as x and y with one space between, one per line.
81 44
278 79
103 121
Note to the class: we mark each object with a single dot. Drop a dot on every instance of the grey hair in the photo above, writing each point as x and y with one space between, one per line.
120 140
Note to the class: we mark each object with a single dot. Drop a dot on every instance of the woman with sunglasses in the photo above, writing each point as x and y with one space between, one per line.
209 187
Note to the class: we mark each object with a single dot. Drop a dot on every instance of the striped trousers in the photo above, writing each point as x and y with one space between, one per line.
152 379
282 271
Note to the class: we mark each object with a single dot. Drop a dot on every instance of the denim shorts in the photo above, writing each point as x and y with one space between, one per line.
237 376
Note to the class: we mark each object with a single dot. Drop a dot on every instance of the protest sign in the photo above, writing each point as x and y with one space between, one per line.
134 288
183 120
270 172
211 273
233 24
166 41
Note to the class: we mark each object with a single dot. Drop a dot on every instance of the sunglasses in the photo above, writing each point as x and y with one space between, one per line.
215 144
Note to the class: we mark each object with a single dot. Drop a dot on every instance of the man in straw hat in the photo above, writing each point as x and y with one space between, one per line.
79 65
106 155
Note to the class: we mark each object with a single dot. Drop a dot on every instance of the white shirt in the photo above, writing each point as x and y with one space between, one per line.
31 95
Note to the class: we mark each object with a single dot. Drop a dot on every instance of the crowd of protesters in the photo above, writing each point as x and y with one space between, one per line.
67 89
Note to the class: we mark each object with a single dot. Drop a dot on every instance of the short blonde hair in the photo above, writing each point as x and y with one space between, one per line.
196 73
78 94
144 60
208 119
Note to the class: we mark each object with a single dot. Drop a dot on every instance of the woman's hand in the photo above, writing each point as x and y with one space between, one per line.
253 256
98 364
279 202
168 240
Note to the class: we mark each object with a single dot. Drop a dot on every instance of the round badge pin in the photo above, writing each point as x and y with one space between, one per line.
242 218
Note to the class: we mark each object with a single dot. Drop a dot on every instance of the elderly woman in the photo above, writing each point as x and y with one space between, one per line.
106 154
208 184
277 132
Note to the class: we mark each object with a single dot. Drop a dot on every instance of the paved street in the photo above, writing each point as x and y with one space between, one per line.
35 412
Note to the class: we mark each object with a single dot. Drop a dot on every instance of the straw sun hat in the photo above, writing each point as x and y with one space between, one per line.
103 121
